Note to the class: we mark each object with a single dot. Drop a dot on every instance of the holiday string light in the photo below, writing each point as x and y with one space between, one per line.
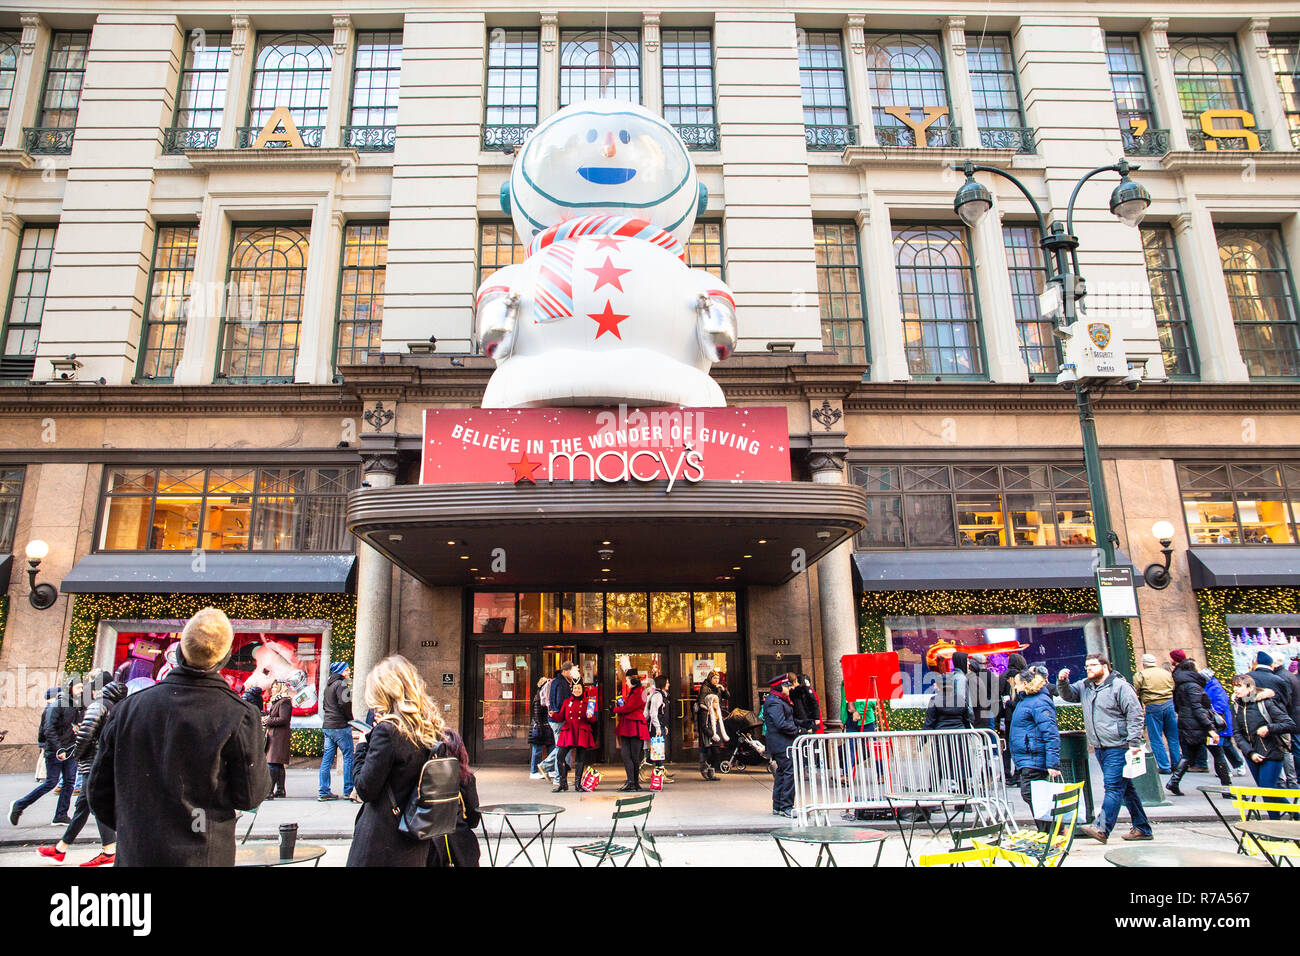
1213 606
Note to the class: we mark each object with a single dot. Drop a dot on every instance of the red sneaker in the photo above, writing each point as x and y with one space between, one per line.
104 859
52 852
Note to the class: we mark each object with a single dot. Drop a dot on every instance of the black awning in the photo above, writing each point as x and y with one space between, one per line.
219 572
1228 567
980 569
6 569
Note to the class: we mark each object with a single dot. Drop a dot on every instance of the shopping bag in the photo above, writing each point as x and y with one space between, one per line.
590 779
657 779
1041 793
1135 764
40 766
657 748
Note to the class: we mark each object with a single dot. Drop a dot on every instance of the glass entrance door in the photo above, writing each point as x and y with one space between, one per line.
505 688
693 667
643 660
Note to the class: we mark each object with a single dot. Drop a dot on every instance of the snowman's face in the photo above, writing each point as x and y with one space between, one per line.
609 157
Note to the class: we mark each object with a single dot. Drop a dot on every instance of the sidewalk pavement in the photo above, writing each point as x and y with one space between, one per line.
736 803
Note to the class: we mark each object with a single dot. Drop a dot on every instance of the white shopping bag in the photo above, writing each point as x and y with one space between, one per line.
1135 764
1041 793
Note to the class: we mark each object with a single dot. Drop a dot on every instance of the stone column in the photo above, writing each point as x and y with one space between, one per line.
963 100
337 113
884 316
834 590
1003 359
1270 111
548 66
374 587
24 106
1207 297
855 60
1164 89
243 51
652 65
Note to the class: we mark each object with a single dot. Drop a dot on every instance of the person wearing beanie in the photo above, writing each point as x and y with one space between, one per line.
1266 679
1177 655
1155 689
336 711
781 730
178 758
1282 670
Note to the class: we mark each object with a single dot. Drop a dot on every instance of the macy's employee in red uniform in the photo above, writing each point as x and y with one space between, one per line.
632 730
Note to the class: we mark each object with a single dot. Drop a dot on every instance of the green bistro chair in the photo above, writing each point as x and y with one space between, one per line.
976 845
630 809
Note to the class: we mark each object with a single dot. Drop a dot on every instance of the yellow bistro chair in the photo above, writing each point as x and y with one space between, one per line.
1031 848
1252 803
983 848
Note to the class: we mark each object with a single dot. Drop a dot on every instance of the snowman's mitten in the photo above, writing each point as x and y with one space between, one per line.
498 312
715 325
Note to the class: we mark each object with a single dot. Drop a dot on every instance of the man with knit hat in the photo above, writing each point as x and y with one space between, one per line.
180 757
1273 675
336 711
1155 689
780 730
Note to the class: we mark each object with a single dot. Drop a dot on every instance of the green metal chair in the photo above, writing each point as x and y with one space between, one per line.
1031 848
975 845
630 809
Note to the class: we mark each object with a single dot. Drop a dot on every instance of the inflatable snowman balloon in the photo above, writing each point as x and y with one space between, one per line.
605 308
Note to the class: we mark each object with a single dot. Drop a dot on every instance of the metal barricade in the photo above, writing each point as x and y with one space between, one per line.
846 772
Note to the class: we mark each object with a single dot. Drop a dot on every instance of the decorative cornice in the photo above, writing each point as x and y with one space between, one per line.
650 32
385 462
856 27
378 416
937 157
1230 159
1182 223
957 40
821 459
252 158
1258 30
238 34
342 33
550 32
32 25
827 415
1159 27
863 218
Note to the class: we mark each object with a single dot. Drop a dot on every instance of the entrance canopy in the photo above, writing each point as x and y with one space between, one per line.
547 535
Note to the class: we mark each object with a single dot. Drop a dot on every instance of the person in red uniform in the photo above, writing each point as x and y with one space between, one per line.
576 736
632 730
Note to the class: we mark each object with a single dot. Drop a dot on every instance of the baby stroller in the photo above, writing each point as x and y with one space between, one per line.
744 749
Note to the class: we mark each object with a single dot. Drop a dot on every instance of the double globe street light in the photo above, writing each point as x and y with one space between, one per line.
1129 202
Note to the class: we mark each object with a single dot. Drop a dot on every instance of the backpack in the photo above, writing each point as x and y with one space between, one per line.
435 804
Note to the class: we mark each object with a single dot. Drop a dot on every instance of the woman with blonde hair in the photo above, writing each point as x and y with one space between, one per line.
387 762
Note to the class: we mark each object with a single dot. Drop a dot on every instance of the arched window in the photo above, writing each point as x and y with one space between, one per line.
600 64
264 293
1263 299
905 70
936 290
1208 73
293 70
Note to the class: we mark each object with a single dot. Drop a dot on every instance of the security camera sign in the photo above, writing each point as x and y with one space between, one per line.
1094 350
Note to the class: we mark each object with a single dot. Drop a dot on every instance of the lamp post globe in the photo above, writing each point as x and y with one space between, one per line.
1130 201
972 202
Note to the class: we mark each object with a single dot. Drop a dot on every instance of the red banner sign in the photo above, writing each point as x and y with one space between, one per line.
611 445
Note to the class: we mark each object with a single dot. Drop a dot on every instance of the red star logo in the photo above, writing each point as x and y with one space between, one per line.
608 274
607 321
608 242
524 469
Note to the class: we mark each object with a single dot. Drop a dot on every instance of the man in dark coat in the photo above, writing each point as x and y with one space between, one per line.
336 711
780 730
561 690
179 758
57 737
982 688
1282 669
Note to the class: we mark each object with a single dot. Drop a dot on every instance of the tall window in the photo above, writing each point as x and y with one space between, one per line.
1284 51
175 248
22 331
498 247
376 84
600 64
292 70
704 249
511 98
1169 299
11 496
201 99
1128 81
1263 299
936 289
906 70
361 292
1209 77
64 73
1028 273
226 509
268 270
996 91
839 291
8 72
1246 503
975 505
828 124
688 86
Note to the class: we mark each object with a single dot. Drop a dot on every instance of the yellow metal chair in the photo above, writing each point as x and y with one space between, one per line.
1031 848
983 848
1252 803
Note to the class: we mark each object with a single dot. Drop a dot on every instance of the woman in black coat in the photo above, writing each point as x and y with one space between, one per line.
459 848
1261 721
1196 726
279 713
949 708
387 762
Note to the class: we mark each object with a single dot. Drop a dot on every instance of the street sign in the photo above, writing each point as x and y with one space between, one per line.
1115 593
448 680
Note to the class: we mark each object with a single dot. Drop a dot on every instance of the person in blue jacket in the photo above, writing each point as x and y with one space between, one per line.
1034 737
781 730
1223 706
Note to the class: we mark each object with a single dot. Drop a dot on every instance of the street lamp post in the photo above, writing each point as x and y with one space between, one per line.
1129 202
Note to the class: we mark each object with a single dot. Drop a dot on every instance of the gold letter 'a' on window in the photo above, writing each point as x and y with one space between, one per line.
279 129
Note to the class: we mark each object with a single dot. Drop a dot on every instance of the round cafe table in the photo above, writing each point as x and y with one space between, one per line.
269 855
545 815
1282 830
826 837
1171 856
922 803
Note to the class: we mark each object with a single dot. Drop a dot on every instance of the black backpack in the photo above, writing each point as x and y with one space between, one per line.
435 804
